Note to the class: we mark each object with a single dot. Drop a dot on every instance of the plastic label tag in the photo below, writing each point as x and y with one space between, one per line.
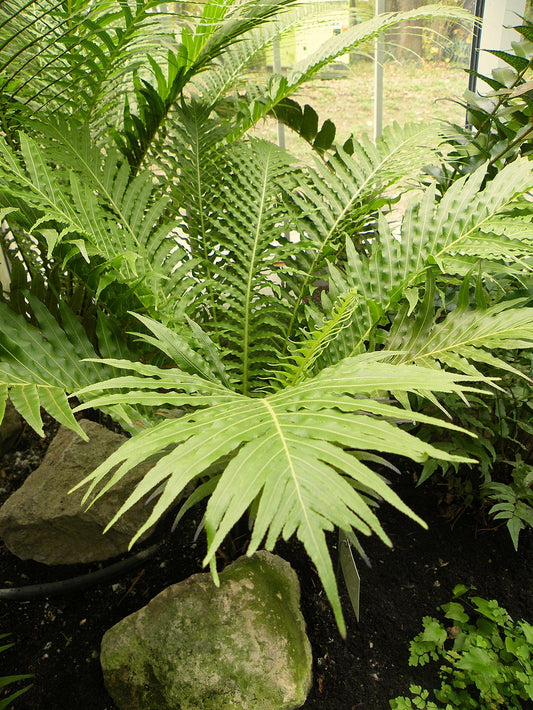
349 572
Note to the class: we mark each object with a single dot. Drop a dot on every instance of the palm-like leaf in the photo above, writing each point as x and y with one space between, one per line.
284 450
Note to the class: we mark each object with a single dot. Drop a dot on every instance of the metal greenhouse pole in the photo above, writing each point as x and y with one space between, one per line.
379 54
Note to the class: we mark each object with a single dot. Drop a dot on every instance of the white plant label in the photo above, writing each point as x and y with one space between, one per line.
349 572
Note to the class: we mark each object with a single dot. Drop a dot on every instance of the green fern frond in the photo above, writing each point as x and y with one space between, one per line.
77 57
432 232
215 83
281 87
244 247
283 450
219 28
53 370
62 360
187 355
341 195
91 209
361 33
304 355
464 338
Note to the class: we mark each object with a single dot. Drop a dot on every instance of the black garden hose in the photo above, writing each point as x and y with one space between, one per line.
83 581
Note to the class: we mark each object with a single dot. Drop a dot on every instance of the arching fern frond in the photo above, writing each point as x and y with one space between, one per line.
75 57
280 452
83 57
220 26
281 87
230 70
89 207
343 193
432 232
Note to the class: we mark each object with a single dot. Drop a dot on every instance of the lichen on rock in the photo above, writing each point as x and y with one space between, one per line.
195 645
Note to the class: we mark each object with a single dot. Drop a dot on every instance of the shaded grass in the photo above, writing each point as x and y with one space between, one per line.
413 91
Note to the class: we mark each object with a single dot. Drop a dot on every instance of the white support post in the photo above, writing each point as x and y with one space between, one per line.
379 54
276 66
496 33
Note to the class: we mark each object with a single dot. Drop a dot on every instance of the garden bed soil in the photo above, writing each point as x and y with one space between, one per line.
58 639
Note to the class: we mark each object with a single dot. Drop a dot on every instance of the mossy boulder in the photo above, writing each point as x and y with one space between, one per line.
195 645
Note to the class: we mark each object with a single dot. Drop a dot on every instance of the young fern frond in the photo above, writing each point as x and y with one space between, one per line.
195 354
304 354
281 451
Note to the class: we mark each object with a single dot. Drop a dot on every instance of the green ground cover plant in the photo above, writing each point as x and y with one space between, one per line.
485 658
164 263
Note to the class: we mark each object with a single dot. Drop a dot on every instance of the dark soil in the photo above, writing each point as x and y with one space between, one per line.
58 639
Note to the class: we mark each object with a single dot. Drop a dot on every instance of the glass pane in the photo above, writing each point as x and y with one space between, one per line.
424 65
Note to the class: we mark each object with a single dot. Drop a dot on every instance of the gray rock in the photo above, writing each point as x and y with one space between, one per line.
43 522
242 645
10 428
